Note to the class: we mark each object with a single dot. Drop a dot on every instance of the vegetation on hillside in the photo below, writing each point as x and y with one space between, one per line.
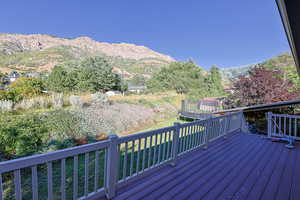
138 80
262 86
286 64
91 74
187 78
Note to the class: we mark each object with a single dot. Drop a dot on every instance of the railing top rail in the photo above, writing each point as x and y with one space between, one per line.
28 161
202 121
144 134
285 115
11 165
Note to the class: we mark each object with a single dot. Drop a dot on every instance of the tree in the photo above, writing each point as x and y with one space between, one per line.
215 80
122 84
177 76
96 74
262 86
92 74
2 80
61 80
138 80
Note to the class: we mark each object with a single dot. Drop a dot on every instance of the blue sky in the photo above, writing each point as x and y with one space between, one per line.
223 32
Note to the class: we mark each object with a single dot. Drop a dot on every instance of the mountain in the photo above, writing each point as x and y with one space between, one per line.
39 52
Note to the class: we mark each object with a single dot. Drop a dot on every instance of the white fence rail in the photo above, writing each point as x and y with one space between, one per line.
283 125
100 168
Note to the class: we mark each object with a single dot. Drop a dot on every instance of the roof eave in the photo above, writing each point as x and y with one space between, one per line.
281 4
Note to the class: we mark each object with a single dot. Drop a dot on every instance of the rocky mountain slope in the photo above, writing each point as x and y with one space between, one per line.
41 52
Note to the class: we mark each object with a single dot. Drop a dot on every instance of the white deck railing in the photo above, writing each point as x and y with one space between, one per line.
98 169
283 125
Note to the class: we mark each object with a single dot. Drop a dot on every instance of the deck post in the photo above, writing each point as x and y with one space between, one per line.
112 167
242 121
183 107
175 143
225 127
269 119
207 132
244 128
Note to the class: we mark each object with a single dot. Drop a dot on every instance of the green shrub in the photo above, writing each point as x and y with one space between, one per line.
23 88
21 135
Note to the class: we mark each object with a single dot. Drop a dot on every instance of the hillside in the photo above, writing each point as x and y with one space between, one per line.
41 52
231 73
284 62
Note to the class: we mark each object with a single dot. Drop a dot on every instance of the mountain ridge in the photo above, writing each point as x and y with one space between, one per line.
43 41
41 52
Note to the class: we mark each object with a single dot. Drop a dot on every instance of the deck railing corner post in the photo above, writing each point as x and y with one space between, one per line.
244 125
207 133
225 128
183 106
112 167
175 143
269 119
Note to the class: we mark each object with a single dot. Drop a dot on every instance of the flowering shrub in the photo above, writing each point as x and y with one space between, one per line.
76 101
100 98
57 100
115 118
6 105
64 124
34 103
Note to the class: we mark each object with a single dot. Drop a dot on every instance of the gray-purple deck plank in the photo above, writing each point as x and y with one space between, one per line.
227 187
244 166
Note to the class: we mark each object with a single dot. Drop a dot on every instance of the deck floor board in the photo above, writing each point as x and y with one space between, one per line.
227 187
244 187
197 176
295 187
244 166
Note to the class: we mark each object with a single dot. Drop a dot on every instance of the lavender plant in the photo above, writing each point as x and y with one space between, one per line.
76 101
58 100
6 105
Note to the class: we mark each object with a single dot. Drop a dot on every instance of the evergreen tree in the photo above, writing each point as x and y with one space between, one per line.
92 74
96 74
215 80
60 80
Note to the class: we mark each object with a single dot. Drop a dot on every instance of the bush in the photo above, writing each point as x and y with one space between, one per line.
76 101
21 135
34 103
65 124
25 88
100 98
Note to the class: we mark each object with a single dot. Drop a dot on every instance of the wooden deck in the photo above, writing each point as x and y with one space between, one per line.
243 166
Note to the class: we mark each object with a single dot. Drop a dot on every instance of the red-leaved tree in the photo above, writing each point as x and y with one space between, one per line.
262 86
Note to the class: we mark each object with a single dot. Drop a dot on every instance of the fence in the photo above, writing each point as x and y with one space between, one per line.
98 169
190 106
283 125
